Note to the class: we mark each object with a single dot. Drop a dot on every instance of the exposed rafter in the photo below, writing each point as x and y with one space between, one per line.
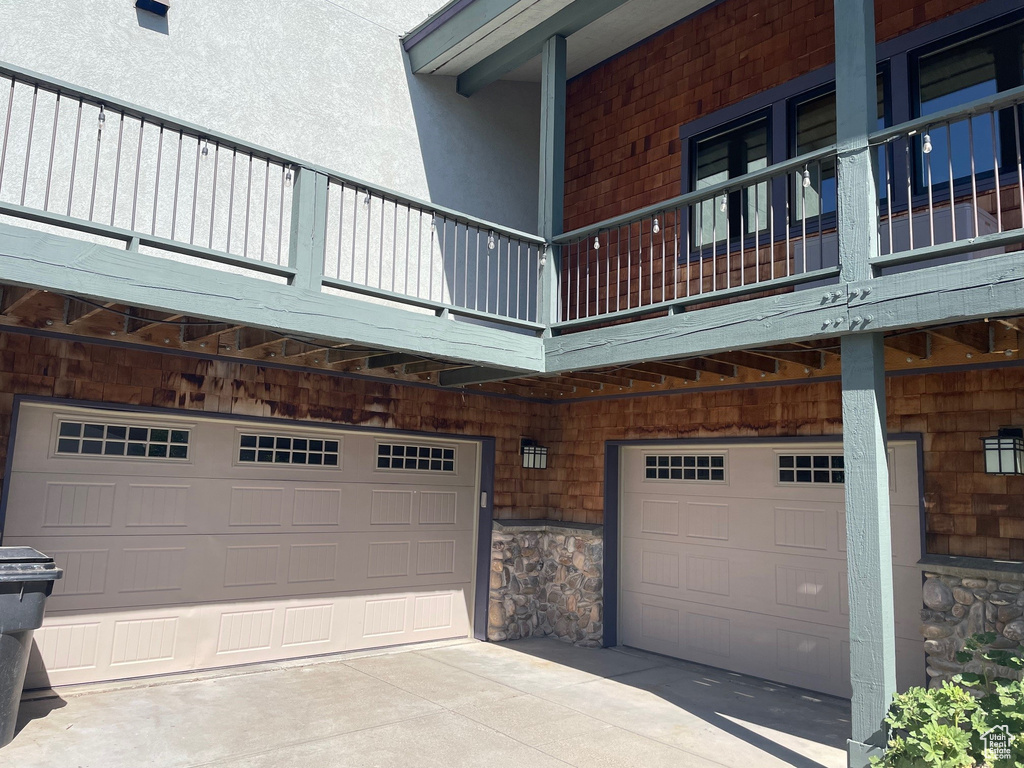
975 336
13 297
918 344
748 360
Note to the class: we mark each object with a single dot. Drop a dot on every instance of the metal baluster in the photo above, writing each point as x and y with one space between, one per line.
138 168
650 263
618 265
952 193
664 276
341 224
465 274
519 278
117 169
28 146
394 241
931 204
280 216
910 194
248 207
195 193
231 197
887 154
787 225
771 230
419 252
408 251
1020 167
676 231
74 156
821 242
96 163
177 180
803 223
355 229
728 243
156 184
368 203
213 202
266 203
714 241
380 247
7 133
995 173
974 175
53 145
586 284
757 237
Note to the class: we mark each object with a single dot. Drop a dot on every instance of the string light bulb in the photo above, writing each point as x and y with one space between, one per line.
656 228
724 204
102 118
597 243
806 178
926 145
288 178
366 200
490 242
206 148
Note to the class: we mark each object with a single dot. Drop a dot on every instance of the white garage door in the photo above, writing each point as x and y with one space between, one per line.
193 543
736 557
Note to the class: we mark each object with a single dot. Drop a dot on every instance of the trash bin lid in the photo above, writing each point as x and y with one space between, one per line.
27 564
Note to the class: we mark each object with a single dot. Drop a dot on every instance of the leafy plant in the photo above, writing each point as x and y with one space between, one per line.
944 727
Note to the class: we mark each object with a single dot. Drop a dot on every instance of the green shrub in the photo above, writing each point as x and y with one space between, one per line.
944 727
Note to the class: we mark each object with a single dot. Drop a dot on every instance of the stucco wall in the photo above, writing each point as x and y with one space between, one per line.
323 81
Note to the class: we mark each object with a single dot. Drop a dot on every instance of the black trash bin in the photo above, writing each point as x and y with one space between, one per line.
26 580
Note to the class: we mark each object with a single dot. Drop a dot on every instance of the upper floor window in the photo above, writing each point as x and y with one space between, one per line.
812 127
722 155
949 75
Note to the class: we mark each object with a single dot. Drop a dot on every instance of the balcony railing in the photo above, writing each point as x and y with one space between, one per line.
760 231
951 186
82 161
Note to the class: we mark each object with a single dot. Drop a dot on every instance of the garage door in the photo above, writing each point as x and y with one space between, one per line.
193 543
736 557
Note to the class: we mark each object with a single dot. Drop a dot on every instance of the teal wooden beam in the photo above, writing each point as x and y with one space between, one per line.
564 23
444 31
308 228
869 544
552 174
786 317
64 265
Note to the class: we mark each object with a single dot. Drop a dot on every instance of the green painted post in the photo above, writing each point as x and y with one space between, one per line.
308 231
552 173
868 532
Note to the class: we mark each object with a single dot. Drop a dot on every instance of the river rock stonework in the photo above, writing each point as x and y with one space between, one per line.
547 579
960 603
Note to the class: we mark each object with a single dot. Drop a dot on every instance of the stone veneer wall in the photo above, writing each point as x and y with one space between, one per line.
961 602
547 579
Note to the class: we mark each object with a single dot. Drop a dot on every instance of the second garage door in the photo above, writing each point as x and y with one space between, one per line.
736 557
191 543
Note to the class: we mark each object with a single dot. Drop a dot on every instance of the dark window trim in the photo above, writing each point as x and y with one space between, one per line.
895 51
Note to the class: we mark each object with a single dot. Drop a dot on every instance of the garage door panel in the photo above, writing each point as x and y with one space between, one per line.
754 525
117 571
327 540
60 503
753 578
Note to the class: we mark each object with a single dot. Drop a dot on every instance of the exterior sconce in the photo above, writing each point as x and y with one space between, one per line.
1004 453
159 7
534 456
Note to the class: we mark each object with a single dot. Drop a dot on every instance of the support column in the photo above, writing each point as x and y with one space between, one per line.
308 230
868 544
868 532
552 172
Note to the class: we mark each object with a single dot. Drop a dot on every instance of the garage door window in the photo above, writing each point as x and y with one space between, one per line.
812 469
280 449
701 467
422 458
81 438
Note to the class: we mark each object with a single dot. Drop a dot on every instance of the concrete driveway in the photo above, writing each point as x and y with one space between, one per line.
534 703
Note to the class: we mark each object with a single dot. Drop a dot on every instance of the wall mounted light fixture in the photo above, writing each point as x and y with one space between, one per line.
1004 453
534 456
159 7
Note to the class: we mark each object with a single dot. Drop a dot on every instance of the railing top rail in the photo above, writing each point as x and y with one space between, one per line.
976 107
47 83
702 194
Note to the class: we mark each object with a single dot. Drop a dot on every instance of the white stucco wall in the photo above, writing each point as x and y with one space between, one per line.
323 80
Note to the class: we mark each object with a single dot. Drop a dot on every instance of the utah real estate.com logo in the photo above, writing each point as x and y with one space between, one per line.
997 743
